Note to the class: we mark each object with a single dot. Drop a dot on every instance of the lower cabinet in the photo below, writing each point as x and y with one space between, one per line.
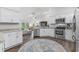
51 32
36 32
12 39
43 32
1 46
77 45
68 35
47 32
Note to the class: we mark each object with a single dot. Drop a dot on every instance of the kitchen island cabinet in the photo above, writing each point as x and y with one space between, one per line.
11 38
1 46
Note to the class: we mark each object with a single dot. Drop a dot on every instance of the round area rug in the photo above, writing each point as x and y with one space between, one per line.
42 45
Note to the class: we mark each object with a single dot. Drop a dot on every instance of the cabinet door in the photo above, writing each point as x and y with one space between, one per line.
69 19
77 46
7 40
1 47
42 32
47 32
12 38
68 35
51 32
19 38
51 20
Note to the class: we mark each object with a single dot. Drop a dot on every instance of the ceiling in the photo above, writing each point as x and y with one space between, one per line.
52 10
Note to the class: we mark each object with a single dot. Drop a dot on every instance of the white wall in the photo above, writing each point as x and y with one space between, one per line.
18 10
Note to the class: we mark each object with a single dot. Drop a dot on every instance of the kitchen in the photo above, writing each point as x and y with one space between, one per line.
20 26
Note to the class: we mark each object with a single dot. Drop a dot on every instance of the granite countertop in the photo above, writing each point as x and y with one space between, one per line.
44 27
50 28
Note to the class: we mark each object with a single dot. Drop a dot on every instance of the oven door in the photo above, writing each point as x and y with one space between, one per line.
59 34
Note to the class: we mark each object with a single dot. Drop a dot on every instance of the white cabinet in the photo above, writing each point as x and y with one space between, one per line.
1 46
77 46
47 32
18 37
43 32
51 21
12 39
68 35
51 32
69 19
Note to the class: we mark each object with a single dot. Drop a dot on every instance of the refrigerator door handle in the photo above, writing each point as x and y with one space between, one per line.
74 38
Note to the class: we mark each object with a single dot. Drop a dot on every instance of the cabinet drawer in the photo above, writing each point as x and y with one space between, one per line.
43 32
47 32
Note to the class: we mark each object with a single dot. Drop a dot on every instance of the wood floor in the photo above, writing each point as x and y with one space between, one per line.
69 46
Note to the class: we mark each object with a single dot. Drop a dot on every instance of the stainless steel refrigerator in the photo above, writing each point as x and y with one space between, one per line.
77 28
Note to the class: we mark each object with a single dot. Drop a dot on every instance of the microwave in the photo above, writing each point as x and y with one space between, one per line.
43 23
60 20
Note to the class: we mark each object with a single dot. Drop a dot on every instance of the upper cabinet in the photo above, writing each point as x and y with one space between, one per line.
69 19
8 15
51 20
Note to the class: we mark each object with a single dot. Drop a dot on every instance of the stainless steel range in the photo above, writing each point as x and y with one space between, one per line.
60 28
60 32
